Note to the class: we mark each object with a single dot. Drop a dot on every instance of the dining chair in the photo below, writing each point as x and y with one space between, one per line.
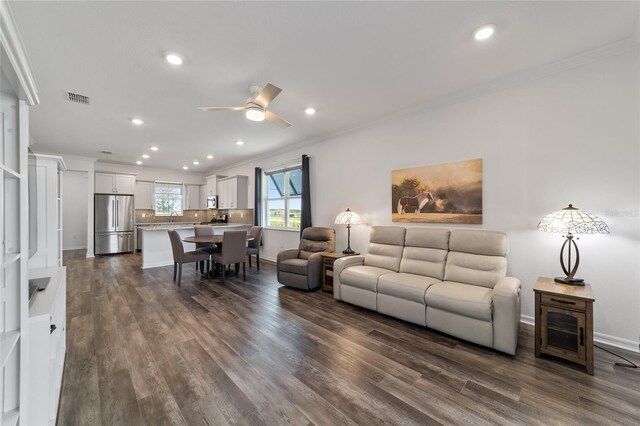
204 230
253 246
180 256
234 244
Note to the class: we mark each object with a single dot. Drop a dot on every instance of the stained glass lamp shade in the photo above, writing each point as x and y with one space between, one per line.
348 218
570 221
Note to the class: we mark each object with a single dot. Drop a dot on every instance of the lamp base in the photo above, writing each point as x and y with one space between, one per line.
348 251
569 281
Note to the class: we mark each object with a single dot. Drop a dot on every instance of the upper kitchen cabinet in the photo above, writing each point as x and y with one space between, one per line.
212 186
233 192
108 183
143 195
192 199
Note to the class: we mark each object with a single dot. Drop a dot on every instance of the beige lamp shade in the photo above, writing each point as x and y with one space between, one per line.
348 217
569 221
574 221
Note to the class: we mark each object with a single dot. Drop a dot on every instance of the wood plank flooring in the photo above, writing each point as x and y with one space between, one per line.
143 351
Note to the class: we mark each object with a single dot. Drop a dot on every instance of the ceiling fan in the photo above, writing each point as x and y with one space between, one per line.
256 107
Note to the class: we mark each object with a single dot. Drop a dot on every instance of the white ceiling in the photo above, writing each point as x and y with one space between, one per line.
353 61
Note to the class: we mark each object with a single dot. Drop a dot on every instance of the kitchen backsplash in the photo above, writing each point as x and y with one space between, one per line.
235 216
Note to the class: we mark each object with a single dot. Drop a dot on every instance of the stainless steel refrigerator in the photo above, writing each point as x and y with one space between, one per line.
113 223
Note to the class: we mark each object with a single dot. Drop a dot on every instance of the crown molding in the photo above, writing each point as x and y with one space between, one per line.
13 48
602 53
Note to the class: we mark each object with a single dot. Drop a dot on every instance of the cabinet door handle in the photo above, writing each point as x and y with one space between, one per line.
581 336
566 302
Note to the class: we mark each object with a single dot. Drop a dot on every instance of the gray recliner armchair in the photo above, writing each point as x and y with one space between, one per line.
302 267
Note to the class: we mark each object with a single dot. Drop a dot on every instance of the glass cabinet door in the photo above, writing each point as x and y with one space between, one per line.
563 332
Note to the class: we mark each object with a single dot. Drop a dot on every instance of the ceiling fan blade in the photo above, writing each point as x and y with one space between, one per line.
267 95
269 116
240 108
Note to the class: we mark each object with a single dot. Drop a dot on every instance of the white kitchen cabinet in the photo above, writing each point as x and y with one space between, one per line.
144 195
233 192
203 197
192 198
49 170
47 346
108 183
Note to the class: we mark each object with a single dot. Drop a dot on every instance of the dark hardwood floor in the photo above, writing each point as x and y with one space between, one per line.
141 350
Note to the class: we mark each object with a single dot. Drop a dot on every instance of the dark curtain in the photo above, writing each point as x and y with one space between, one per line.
257 205
306 195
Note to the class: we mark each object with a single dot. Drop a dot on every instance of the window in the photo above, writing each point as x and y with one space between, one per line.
168 198
283 200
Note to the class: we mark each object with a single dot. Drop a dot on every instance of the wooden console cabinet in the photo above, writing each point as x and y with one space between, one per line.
564 321
327 269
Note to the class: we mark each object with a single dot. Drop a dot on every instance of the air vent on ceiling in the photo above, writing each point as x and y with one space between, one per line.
106 152
77 98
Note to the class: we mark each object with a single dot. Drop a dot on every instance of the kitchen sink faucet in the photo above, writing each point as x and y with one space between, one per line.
171 216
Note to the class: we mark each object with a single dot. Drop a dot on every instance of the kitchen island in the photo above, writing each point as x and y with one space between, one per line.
156 246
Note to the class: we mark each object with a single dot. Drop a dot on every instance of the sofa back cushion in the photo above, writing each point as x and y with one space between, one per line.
316 239
385 247
476 257
425 252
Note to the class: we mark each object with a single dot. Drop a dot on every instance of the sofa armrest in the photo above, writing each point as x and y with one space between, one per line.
288 254
314 270
338 266
506 314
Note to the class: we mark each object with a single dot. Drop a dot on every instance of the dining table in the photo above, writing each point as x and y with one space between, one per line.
212 239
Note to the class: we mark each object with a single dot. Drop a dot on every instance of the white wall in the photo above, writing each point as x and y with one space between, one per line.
86 165
74 210
568 137
152 174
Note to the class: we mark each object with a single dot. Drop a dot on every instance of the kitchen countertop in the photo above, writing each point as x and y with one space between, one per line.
184 225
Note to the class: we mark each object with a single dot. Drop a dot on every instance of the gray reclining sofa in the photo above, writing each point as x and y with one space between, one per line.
452 281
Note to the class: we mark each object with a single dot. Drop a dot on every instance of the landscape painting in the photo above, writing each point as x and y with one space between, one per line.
440 193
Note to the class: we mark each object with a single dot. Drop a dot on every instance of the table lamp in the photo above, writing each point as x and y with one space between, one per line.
348 218
570 221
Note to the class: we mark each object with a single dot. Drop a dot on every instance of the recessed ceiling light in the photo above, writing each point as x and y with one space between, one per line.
138 162
145 155
185 168
239 143
310 111
154 148
174 58
137 121
210 157
484 32
195 163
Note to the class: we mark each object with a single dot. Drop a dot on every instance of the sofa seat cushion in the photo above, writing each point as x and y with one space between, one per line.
464 299
362 276
295 266
405 286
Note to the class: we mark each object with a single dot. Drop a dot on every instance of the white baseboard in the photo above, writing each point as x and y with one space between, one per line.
616 342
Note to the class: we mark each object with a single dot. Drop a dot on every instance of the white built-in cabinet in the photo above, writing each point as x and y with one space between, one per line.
233 192
109 183
17 93
144 195
49 170
192 197
47 346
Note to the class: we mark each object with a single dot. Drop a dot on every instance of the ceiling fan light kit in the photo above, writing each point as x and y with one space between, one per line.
254 113
256 108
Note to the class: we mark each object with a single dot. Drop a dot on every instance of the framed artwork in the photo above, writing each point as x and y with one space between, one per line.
439 193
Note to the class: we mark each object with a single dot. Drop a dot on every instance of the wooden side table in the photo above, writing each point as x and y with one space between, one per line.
327 268
564 321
